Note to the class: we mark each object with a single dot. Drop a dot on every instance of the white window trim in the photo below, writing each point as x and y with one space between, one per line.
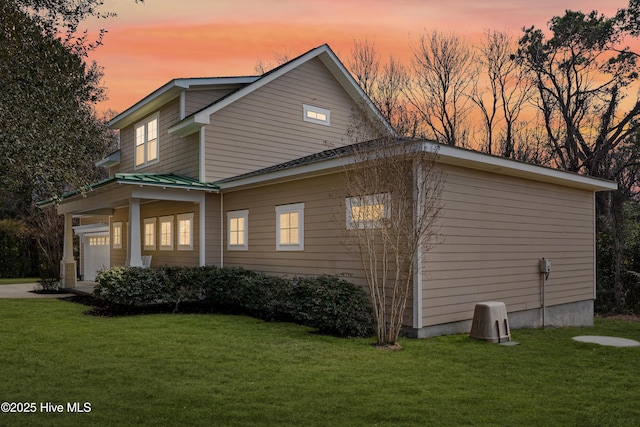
182 217
368 200
163 220
116 244
155 234
144 122
308 110
234 215
296 207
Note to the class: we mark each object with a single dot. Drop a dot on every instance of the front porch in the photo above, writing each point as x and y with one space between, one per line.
143 199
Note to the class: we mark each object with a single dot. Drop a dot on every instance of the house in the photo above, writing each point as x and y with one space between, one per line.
235 171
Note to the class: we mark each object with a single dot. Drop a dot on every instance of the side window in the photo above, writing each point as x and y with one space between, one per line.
368 211
166 233
117 235
238 230
185 232
290 227
147 149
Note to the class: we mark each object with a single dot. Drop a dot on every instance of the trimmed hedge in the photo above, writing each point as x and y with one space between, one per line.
331 305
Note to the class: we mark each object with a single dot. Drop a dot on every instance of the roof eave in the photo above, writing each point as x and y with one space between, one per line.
485 162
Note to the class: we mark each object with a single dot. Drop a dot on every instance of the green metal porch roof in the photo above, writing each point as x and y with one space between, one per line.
143 179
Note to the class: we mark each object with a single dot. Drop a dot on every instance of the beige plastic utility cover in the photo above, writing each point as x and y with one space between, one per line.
490 322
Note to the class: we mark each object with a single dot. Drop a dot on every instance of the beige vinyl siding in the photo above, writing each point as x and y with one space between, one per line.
196 100
177 155
496 228
266 127
212 221
324 229
157 210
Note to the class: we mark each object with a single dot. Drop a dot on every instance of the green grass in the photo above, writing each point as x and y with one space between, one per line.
18 281
237 371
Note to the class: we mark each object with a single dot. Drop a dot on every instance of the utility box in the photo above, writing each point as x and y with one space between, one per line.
490 322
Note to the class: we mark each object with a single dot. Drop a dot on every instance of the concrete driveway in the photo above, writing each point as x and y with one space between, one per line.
24 291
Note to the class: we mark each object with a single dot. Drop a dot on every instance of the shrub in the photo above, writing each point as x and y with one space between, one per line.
333 306
327 303
133 285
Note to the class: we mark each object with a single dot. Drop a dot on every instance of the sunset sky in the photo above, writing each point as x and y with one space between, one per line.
149 44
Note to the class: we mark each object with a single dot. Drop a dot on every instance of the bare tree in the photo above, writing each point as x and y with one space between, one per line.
443 72
280 58
393 203
386 85
502 93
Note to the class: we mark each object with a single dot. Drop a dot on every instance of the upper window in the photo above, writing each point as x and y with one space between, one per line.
368 211
317 115
117 235
185 232
166 233
150 234
147 146
290 227
237 226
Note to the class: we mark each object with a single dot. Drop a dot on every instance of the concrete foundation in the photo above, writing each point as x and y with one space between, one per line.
578 314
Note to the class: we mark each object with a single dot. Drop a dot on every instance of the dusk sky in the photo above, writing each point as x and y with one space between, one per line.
149 44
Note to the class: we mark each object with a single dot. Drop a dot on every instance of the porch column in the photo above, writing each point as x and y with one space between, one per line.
68 263
135 244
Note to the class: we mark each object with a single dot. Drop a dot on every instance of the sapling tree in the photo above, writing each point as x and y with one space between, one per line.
393 202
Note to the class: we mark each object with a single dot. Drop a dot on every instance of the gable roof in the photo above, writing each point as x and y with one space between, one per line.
172 90
329 160
195 121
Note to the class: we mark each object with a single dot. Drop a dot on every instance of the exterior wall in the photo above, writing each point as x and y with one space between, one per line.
196 100
266 127
496 228
324 229
177 155
159 257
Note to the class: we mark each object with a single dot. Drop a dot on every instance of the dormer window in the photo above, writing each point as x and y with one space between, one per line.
316 115
146 139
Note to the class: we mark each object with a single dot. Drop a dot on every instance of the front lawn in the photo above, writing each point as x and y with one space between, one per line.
202 369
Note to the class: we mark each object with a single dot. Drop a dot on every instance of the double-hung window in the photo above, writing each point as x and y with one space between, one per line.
238 230
368 211
166 233
150 234
185 232
117 235
290 227
147 150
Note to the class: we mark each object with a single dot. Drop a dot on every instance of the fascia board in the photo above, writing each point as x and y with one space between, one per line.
169 91
168 186
446 155
500 165
340 72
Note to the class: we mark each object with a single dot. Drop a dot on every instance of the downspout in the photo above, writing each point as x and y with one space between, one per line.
417 267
